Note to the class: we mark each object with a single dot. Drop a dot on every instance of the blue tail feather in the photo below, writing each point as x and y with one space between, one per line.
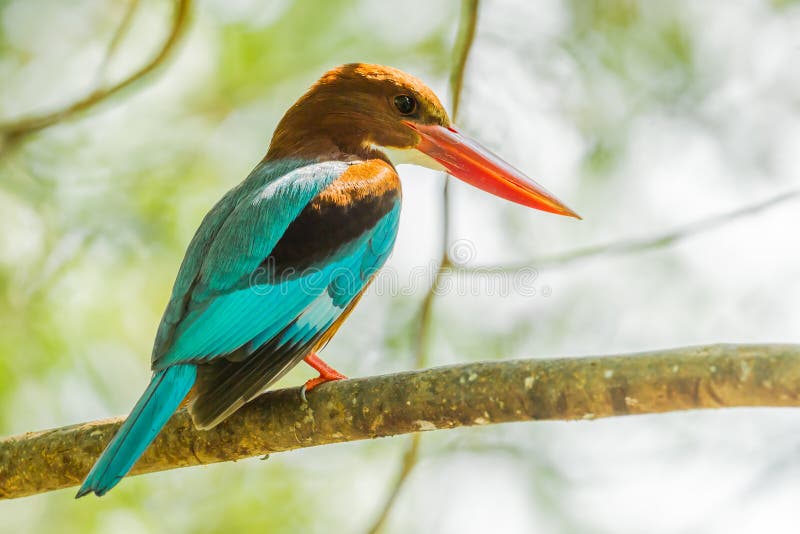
158 402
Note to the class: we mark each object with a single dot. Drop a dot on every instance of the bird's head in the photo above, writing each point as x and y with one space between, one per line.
358 109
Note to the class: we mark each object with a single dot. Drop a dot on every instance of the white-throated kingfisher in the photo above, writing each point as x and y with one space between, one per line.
283 258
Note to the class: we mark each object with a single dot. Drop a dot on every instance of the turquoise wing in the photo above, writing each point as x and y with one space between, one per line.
315 273
225 384
218 303
282 261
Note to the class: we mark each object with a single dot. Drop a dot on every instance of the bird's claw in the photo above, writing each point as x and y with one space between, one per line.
321 379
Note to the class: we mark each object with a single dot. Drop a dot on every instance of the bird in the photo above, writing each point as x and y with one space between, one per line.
280 261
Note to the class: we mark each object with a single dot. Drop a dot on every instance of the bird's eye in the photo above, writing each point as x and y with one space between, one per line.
405 104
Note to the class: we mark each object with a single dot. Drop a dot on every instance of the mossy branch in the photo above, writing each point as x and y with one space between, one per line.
445 397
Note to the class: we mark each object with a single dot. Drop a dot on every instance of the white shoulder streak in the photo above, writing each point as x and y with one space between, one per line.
305 175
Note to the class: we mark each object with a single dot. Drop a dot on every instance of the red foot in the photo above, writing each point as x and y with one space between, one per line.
326 373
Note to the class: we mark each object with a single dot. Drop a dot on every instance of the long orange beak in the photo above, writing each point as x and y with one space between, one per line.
478 166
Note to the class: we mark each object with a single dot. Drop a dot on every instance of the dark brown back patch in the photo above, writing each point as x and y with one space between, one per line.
341 213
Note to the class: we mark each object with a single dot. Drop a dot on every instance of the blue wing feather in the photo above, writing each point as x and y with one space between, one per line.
223 307
226 383
257 313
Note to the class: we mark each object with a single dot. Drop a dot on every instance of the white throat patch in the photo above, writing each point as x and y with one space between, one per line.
411 156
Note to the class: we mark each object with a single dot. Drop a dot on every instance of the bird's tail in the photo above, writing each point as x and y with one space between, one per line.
156 405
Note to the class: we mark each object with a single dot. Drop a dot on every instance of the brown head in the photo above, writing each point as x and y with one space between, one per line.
352 109
365 111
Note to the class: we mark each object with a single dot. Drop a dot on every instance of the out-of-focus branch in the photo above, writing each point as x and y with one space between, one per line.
446 397
116 39
469 23
464 40
643 244
16 130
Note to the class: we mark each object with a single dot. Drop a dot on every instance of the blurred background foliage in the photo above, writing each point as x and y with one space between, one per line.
642 115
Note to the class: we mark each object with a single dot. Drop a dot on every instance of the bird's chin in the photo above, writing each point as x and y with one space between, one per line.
411 156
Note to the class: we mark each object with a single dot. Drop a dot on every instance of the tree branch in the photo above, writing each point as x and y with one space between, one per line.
630 246
116 39
16 130
447 397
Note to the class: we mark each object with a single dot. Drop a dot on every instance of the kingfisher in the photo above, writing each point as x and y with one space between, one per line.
281 260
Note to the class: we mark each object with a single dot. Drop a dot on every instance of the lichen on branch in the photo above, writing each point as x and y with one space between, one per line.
716 376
